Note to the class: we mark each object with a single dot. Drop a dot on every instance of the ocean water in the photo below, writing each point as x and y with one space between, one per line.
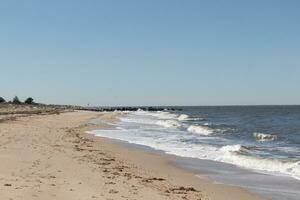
263 139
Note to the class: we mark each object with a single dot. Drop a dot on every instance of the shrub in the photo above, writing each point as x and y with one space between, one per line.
16 100
2 100
29 100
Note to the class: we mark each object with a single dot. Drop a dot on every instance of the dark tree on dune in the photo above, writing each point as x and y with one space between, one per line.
2 100
16 100
29 100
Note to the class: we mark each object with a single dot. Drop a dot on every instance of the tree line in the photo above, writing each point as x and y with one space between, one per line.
16 100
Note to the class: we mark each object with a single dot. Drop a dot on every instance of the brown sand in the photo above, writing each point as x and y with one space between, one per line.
13 111
51 157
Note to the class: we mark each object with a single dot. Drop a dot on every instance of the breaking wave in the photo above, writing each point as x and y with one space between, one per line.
183 117
180 134
238 155
168 123
234 149
262 137
201 130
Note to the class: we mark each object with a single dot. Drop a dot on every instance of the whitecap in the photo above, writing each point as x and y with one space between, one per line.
183 117
234 156
262 137
168 123
201 130
159 114
234 149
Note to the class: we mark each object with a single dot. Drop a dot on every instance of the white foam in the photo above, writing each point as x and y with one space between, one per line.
201 130
207 124
183 117
232 154
160 114
234 148
168 123
235 154
145 128
262 137
169 143
137 120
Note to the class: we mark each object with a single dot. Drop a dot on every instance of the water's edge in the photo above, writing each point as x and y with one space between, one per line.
262 160
222 173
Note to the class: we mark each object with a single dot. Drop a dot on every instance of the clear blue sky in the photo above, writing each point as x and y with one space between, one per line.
154 52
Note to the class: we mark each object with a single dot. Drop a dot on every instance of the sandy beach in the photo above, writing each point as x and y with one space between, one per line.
52 157
150 100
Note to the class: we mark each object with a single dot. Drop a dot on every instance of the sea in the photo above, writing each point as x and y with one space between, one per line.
255 147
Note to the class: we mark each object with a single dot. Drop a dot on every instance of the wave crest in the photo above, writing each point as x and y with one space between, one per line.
201 130
234 156
168 123
183 117
234 149
262 137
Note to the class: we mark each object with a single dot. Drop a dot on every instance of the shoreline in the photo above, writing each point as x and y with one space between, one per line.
132 132
193 178
209 170
51 156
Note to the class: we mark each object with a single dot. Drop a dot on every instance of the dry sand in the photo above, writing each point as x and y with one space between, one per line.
51 157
